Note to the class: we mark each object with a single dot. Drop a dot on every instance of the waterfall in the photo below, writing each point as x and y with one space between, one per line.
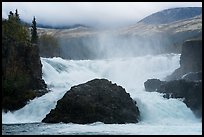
131 73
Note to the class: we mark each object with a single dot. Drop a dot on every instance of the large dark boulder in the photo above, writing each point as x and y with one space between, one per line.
95 100
190 60
190 91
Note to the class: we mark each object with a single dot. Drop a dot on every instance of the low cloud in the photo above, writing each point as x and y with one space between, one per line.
101 14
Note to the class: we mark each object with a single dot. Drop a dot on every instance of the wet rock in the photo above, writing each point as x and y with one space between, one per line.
190 60
189 91
152 84
95 100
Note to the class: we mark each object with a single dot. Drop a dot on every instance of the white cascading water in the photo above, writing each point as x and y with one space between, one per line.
130 73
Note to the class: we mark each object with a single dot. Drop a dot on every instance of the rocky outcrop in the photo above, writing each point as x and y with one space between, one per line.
95 100
190 91
191 56
186 81
152 84
190 60
21 67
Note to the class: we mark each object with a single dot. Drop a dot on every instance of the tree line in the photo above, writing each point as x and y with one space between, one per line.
19 31
15 23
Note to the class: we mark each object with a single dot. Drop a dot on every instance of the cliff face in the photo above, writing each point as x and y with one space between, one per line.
21 67
191 56
190 60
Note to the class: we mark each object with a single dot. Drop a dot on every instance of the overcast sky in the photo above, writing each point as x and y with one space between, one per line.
89 13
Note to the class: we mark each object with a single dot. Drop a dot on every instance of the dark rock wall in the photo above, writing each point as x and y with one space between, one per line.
21 67
190 60
191 56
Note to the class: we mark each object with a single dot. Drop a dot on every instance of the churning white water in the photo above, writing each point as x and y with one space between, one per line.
130 73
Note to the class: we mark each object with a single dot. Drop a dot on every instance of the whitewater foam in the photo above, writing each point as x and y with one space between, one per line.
131 73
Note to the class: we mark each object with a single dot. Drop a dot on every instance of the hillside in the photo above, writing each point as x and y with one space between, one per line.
168 37
171 15
135 40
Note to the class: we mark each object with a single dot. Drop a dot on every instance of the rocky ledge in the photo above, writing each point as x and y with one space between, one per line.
190 60
186 81
190 91
97 100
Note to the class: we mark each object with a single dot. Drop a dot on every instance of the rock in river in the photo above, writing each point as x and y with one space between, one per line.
97 100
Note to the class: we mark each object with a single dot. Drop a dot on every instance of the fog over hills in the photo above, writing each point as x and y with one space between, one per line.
145 37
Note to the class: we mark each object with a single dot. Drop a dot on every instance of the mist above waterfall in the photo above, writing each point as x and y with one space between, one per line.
107 44
131 41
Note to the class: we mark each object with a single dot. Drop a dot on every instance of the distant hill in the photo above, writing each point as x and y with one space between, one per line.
61 27
135 40
40 25
171 15
164 38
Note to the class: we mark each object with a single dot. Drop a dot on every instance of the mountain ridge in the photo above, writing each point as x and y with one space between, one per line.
141 38
171 15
